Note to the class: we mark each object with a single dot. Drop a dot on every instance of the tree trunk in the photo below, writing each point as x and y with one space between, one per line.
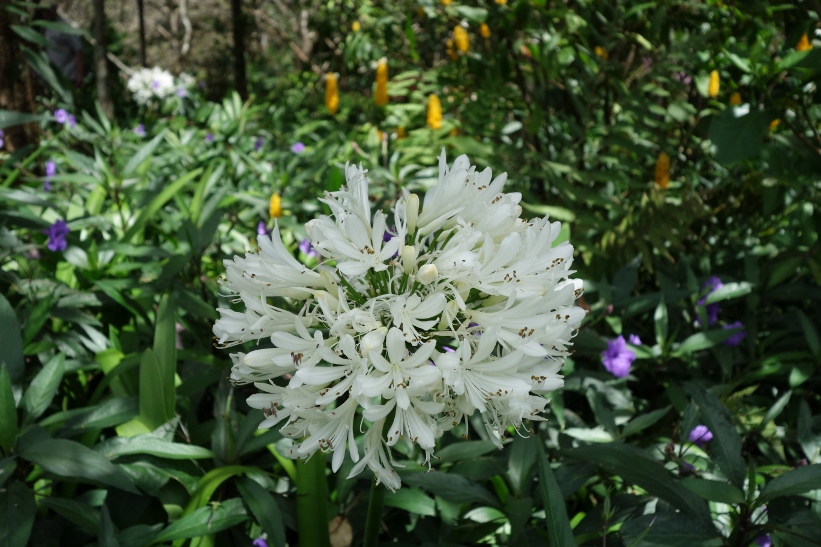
240 81
141 16
100 60
16 85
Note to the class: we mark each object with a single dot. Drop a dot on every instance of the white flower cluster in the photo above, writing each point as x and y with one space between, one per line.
459 308
156 84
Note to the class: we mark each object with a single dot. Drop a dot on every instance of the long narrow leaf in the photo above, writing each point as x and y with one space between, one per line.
559 532
156 204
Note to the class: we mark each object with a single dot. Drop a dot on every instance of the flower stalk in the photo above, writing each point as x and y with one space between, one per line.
311 502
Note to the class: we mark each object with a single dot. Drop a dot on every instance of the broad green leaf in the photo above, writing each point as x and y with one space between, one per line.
738 135
796 481
106 536
107 414
669 530
165 349
265 509
205 520
72 460
702 340
85 517
142 155
726 444
153 410
151 444
559 533
8 411
455 488
523 456
157 203
714 490
11 340
10 119
210 482
38 317
44 386
17 511
640 423
411 500
728 292
634 465
464 450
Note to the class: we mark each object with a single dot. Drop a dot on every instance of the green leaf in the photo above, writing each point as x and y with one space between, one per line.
702 340
725 447
157 203
451 487
640 423
151 444
165 349
210 482
411 500
796 481
44 386
107 414
660 321
669 530
106 537
714 491
10 340
17 510
728 292
72 460
523 456
153 410
559 532
265 509
738 136
634 465
8 411
10 119
464 450
205 520
38 317
143 154
85 517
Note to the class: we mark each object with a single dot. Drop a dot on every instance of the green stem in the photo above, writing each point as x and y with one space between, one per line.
311 502
374 521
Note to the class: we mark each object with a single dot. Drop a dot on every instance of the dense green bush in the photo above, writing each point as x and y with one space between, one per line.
118 424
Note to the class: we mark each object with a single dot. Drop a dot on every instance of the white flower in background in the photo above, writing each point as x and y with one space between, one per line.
155 84
461 308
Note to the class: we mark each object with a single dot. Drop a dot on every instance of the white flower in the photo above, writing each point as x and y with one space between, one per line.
358 345
155 84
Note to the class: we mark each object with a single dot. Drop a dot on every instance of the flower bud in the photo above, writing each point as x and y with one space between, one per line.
408 258
373 341
412 208
427 274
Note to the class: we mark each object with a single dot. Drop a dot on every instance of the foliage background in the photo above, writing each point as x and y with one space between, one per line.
117 423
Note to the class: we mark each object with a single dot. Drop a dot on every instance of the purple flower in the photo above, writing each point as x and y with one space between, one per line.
683 78
298 147
260 542
60 115
2 141
57 233
617 358
139 130
181 92
701 435
51 170
764 541
307 249
735 339
262 229
258 144
634 339
209 137
711 285
71 121
155 84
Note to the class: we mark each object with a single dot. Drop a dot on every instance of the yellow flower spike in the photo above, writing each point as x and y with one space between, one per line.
379 135
381 96
715 84
446 2
484 30
434 112
735 98
774 124
331 93
804 43
601 52
460 37
275 206
501 2
355 26
401 133
663 171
